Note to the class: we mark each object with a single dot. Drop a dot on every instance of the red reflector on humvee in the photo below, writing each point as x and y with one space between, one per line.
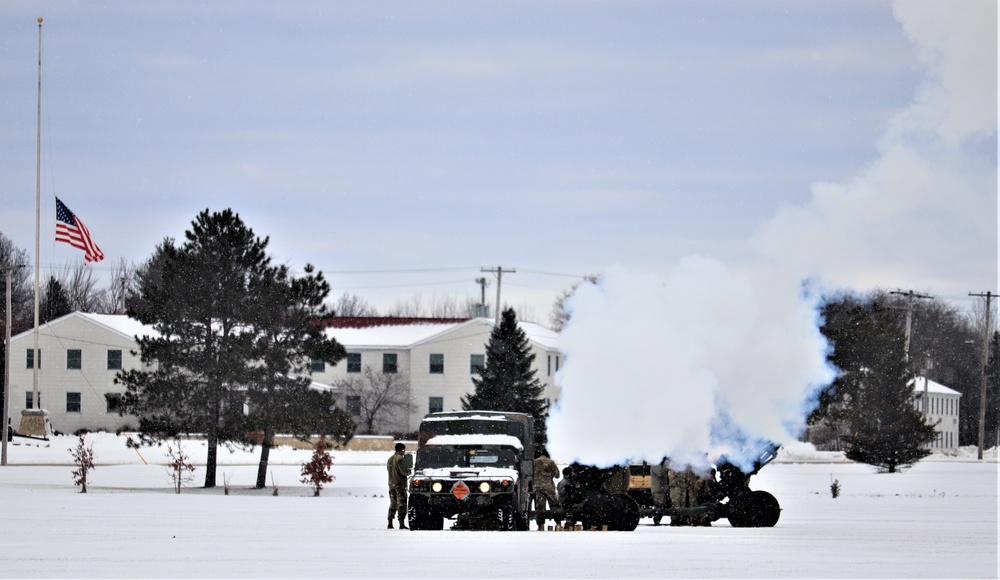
460 490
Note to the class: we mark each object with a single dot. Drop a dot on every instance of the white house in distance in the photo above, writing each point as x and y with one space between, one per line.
939 404
439 358
81 354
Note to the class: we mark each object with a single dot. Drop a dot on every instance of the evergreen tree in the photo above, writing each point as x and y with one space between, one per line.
507 382
992 429
200 303
289 335
54 302
886 430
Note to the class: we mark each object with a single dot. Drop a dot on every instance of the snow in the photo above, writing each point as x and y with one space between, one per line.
478 439
937 519
921 383
398 336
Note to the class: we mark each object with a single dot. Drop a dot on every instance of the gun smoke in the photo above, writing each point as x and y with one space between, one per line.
706 359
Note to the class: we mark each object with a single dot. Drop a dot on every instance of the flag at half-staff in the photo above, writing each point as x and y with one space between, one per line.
71 230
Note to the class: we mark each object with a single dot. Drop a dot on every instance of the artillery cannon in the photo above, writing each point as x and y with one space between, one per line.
593 498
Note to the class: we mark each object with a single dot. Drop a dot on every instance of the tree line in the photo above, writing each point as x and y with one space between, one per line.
869 409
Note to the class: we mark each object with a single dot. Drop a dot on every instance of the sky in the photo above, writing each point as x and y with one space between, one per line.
401 147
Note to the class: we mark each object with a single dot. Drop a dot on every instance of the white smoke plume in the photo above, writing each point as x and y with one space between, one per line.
705 359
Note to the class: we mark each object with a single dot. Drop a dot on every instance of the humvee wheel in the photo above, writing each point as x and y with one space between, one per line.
758 509
422 517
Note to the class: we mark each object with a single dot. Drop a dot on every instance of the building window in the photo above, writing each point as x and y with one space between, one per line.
354 362
317 366
114 401
28 400
354 405
477 362
389 362
557 364
74 359
435 404
30 359
548 368
114 360
437 364
72 402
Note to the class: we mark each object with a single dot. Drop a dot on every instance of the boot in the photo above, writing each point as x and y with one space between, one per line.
402 524
391 513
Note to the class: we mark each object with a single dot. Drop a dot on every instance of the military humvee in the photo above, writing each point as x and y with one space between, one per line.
474 466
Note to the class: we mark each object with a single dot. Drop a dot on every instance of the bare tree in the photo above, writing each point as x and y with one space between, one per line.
378 396
559 315
124 281
21 289
81 287
353 305
438 306
411 307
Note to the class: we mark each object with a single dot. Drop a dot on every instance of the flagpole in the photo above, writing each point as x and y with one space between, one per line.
36 359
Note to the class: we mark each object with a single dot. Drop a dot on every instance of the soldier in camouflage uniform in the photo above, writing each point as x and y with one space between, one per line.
617 480
683 493
397 486
546 471
659 486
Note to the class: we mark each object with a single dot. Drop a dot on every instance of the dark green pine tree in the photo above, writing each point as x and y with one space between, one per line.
200 298
886 429
54 303
289 336
507 382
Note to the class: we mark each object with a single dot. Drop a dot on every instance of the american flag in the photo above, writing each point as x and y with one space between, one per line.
71 230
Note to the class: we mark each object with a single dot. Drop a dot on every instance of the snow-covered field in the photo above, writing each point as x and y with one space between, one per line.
936 520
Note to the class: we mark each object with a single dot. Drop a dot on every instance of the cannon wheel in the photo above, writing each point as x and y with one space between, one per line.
627 516
618 512
757 509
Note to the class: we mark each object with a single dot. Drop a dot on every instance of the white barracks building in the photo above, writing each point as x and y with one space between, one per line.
81 354
939 405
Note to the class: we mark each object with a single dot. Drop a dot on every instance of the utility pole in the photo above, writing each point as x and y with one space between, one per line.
4 439
909 316
481 310
906 346
499 272
982 379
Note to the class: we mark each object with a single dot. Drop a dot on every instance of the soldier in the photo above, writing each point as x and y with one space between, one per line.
682 492
565 484
617 480
546 471
706 494
659 486
397 485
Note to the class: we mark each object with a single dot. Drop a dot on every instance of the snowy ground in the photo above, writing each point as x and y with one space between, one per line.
936 520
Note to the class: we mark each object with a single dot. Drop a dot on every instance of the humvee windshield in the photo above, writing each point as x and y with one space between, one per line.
442 456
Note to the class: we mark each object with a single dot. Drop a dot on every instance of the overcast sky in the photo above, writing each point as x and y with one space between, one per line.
402 146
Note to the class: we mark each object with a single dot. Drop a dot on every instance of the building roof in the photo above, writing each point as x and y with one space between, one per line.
416 330
119 323
356 332
390 336
932 387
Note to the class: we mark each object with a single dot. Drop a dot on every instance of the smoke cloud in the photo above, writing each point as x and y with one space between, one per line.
706 359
